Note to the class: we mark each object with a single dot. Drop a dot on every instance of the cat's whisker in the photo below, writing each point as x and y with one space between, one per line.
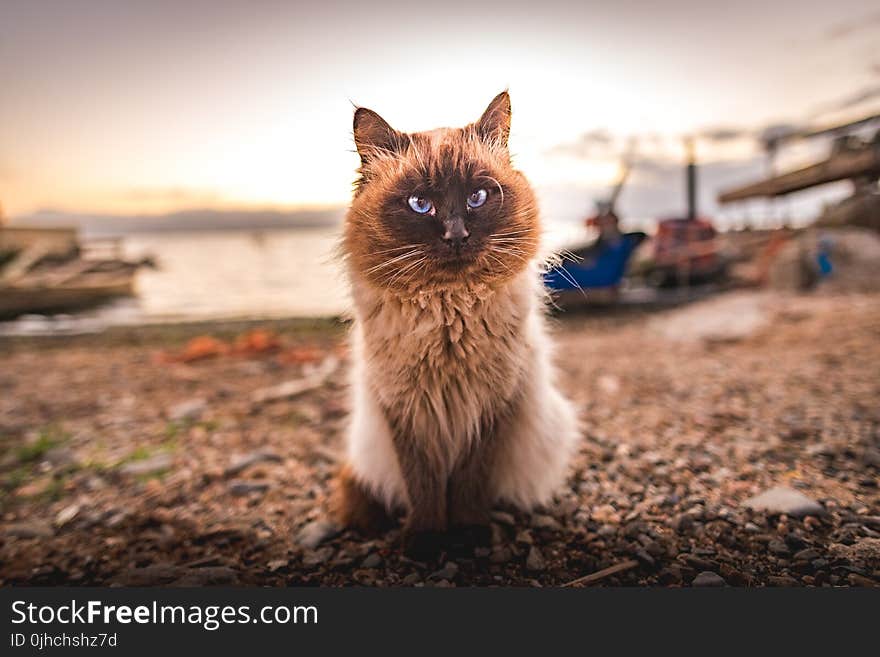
403 270
568 255
392 261
396 248
511 233
568 277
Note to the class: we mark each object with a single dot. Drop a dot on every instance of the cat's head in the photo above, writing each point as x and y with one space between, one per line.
439 208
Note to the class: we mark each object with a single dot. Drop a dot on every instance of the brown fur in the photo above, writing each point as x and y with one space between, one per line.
450 355
353 505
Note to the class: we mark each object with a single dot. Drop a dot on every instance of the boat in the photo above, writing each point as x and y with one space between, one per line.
594 272
50 271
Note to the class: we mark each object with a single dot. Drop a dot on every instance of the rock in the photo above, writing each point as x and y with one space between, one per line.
372 561
66 514
242 463
535 560
860 580
608 384
411 579
316 532
500 554
781 580
682 523
524 537
242 488
504 518
155 575
276 564
784 500
188 411
212 576
645 558
864 550
607 531
725 318
448 572
808 554
605 514
61 457
752 528
296 387
30 529
317 557
149 466
708 578
778 547
541 521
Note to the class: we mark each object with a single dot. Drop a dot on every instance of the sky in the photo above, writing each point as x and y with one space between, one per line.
158 106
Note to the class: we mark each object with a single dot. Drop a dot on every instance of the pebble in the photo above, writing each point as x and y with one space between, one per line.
540 521
188 411
242 488
782 499
708 578
66 514
501 554
778 547
504 518
242 463
808 554
782 580
30 529
148 466
524 537
214 576
317 557
448 572
860 580
275 564
535 560
411 579
372 561
316 532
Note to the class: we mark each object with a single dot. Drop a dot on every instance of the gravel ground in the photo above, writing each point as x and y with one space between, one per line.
715 452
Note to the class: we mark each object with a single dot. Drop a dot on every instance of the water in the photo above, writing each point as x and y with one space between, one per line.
278 273
228 274
218 274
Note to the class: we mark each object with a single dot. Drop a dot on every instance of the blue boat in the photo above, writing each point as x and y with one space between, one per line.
601 265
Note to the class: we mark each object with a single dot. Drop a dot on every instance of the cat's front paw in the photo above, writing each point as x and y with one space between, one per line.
464 538
423 544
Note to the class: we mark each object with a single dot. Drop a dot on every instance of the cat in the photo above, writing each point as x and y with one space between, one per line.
455 401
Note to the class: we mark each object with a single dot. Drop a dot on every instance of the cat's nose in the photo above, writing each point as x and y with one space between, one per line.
455 234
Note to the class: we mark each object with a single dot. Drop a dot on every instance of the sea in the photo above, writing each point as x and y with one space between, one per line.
224 274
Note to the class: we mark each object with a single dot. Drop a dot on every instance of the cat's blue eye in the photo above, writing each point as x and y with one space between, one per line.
420 204
477 198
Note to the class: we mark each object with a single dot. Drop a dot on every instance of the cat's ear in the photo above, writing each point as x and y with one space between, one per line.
373 135
494 126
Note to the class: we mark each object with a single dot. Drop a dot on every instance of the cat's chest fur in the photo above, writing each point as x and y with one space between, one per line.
443 363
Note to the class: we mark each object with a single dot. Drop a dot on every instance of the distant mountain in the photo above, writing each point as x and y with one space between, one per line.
184 220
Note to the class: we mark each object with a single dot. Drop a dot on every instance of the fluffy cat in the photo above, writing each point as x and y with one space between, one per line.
455 403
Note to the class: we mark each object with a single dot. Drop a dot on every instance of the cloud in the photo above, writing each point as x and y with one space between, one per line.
858 97
170 195
595 144
848 28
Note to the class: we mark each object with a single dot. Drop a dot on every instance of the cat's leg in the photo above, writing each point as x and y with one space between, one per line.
540 440
471 490
353 505
370 484
425 479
